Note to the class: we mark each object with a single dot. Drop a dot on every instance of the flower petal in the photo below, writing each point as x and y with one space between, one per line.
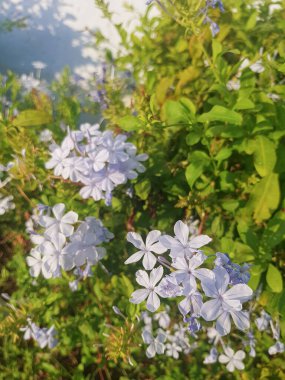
135 257
241 319
67 262
139 295
142 278
223 324
58 210
181 231
169 242
150 351
239 355
211 310
136 240
152 238
196 260
155 275
153 302
71 217
199 241
222 279
230 367
158 248
209 287
223 359
147 336
149 261
204 274
66 229
240 292
185 306
238 364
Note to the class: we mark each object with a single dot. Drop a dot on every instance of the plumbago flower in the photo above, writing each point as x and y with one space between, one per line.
151 290
146 249
226 302
61 247
100 161
172 340
181 245
45 337
6 204
156 345
232 359
187 277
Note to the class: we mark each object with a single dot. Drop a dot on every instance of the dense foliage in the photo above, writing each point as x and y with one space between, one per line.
209 113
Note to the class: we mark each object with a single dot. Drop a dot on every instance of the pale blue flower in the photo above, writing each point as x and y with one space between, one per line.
226 302
155 345
277 348
188 270
181 245
146 249
60 222
212 357
232 359
150 292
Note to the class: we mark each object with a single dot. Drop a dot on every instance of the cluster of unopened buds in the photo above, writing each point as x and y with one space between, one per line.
100 161
225 288
59 246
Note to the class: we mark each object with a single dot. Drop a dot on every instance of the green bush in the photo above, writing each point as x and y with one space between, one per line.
214 130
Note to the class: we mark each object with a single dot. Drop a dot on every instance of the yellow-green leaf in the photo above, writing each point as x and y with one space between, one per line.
265 197
274 279
219 113
31 118
264 156
130 123
143 189
198 162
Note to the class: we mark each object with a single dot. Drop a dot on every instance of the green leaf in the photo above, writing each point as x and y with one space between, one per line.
130 123
193 138
143 189
219 113
225 130
223 154
31 118
244 104
178 112
199 160
230 204
274 279
264 155
217 226
251 22
264 198
255 276
247 234
274 232
86 329
216 48
162 89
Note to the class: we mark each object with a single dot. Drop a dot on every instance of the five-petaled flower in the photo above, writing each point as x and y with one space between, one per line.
232 359
60 223
150 292
181 245
226 302
145 249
